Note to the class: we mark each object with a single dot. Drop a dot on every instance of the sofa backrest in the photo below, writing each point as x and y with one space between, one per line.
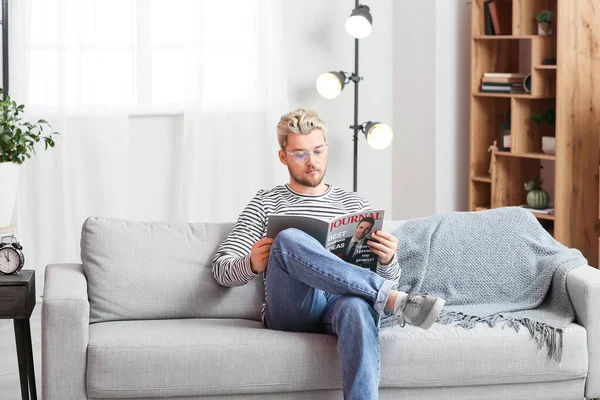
159 270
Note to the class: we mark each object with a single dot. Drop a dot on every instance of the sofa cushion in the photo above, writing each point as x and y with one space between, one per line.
159 270
196 357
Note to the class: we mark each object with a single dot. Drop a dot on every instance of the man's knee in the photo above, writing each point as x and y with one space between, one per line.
290 235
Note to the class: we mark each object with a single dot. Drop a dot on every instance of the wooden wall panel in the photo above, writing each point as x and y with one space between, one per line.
578 126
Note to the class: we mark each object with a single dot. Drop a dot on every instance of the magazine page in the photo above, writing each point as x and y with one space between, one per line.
348 236
315 227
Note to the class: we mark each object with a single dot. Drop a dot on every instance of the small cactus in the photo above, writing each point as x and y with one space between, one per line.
534 184
544 16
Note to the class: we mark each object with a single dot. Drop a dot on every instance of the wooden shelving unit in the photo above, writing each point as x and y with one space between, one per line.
534 155
544 216
482 178
514 95
572 87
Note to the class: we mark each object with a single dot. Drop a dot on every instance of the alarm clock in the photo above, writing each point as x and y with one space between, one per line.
11 256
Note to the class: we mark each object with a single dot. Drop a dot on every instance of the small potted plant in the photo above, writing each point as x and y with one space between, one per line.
544 19
537 197
18 139
548 117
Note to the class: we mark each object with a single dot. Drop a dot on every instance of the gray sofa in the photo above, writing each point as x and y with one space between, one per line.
143 318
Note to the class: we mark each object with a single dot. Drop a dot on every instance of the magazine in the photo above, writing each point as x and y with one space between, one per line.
345 236
549 210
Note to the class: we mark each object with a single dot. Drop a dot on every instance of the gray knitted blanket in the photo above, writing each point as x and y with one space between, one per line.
490 266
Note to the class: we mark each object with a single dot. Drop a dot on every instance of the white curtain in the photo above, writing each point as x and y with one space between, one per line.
229 145
86 174
217 62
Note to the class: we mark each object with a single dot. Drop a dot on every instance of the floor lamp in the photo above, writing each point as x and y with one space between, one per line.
4 23
330 85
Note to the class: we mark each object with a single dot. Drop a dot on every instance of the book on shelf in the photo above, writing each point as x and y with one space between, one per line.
504 75
547 211
501 15
503 85
489 79
485 88
489 27
345 236
502 90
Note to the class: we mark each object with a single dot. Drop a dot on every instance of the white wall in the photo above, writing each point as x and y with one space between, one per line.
452 103
414 109
431 107
316 42
416 78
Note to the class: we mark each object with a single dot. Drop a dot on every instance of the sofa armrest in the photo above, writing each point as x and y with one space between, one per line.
583 285
65 332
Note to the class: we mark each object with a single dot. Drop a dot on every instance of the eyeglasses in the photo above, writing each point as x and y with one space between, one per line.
301 157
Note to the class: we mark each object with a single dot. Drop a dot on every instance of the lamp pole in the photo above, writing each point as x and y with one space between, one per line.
5 47
355 127
330 85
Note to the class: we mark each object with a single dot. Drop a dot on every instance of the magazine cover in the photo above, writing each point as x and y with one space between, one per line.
345 236
348 236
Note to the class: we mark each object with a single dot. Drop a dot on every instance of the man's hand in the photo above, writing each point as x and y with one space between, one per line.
386 248
260 255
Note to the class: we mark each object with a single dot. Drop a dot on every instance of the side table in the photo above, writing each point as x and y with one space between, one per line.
17 301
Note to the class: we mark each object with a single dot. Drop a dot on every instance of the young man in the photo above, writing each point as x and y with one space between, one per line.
308 288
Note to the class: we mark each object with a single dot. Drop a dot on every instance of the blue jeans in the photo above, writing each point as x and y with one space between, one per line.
311 290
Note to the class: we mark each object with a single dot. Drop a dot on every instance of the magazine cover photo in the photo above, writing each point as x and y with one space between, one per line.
348 236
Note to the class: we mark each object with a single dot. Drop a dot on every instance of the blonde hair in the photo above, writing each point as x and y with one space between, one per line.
299 121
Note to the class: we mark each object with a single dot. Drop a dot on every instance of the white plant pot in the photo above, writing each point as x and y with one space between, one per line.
545 28
9 188
549 144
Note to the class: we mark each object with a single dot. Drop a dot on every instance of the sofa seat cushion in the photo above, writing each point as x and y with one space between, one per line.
193 357
447 355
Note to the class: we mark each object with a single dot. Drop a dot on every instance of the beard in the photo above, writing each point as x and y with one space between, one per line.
308 180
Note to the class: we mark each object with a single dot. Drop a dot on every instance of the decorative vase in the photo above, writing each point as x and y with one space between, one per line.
538 199
549 144
544 28
9 187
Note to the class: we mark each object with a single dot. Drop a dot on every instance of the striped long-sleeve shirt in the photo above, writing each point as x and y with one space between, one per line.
231 264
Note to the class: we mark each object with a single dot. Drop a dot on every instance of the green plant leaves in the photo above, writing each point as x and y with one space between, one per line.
17 138
544 16
533 184
546 117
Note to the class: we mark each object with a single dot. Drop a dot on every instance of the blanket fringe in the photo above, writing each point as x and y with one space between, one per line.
542 333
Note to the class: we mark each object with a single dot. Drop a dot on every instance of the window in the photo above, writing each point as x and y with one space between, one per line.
143 54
